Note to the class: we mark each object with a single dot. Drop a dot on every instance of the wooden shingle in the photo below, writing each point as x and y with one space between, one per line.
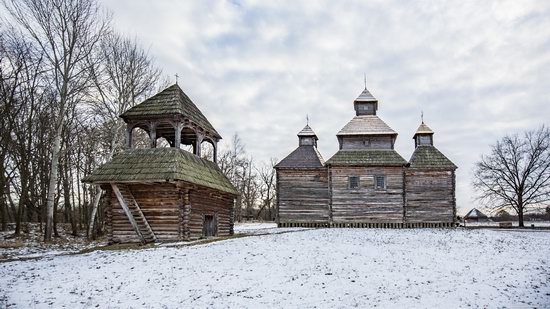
302 157
172 101
427 156
366 125
367 157
160 165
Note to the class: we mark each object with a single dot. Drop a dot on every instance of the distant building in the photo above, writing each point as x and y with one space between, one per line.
475 215
366 183
167 193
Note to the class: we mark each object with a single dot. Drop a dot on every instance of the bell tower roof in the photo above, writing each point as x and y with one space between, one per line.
169 103
306 155
366 96
423 129
307 131
423 135
365 104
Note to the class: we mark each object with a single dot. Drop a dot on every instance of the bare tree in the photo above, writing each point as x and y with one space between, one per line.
249 190
124 75
67 31
516 174
267 190
234 164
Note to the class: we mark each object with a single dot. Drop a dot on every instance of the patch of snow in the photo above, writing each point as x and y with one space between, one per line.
263 228
514 223
434 268
30 245
243 227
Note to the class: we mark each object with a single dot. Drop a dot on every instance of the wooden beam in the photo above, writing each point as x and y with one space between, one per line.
153 133
177 139
127 211
186 215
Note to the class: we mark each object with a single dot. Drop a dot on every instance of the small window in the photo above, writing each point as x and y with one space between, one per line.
365 107
307 141
353 182
380 182
424 139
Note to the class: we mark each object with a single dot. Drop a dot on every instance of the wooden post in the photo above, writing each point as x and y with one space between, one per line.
215 158
127 211
153 134
129 129
198 143
178 126
186 215
232 218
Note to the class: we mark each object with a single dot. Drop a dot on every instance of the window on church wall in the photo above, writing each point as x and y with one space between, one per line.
380 182
366 142
307 141
424 139
353 182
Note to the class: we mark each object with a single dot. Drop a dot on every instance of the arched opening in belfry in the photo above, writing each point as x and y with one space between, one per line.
188 139
140 138
188 148
162 142
208 150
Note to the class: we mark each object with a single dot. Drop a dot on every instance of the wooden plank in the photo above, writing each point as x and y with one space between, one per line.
129 215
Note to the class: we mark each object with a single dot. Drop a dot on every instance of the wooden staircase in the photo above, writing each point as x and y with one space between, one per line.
134 213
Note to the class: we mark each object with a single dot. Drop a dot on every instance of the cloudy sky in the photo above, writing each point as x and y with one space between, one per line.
478 69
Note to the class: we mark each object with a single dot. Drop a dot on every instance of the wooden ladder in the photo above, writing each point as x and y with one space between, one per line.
134 213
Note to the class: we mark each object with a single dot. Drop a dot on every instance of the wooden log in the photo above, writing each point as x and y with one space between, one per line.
129 215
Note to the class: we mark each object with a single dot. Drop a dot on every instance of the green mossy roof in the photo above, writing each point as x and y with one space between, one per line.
170 101
427 156
161 164
367 157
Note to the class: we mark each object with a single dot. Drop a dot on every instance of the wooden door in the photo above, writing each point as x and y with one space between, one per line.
210 226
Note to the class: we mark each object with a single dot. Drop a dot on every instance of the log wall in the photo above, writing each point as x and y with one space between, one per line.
429 195
302 195
210 202
174 212
160 205
371 142
366 204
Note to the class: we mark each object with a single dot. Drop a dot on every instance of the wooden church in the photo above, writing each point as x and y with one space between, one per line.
166 193
366 183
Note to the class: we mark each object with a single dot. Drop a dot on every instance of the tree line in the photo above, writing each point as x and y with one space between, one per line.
65 77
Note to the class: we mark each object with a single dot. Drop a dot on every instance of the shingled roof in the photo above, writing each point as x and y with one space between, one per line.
427 156
366 96
159 165
367 157
303 157
366 125
424 129
170 101
307 131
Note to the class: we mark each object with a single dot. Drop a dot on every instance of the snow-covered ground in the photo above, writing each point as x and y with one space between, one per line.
259 228
30 244
527 224
437 268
